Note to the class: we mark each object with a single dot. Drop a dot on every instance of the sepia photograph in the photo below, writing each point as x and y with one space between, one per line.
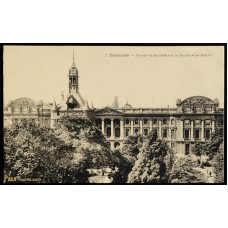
114 114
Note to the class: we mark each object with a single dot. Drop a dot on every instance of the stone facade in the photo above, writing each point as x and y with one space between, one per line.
191 121
26 108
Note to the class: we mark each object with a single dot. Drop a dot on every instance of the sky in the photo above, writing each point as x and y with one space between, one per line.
143 76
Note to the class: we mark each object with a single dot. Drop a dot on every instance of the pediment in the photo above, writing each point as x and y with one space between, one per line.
108 111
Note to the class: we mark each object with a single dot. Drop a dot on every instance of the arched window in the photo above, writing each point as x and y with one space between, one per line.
116 144
172 133
172 122
108 132
145 121
117 132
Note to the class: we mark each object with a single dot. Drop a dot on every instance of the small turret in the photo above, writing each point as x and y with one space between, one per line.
178 102
54 107
92 105
87 108
54 114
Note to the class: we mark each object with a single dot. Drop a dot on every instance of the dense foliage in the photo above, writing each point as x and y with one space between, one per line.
183 170
150 166
54 156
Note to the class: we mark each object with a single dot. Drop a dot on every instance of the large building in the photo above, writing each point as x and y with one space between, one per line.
191 121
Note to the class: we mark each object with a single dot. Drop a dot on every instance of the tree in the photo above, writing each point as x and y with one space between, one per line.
183 170
216 141
86 139
199 149
121 166
219 167
123 160
33 151
150 166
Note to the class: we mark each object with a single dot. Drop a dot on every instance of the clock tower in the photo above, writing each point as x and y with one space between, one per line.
74 98
73 78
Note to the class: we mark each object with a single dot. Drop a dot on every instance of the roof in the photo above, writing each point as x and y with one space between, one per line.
197 100
23 101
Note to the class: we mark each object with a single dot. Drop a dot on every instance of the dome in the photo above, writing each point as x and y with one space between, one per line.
24 101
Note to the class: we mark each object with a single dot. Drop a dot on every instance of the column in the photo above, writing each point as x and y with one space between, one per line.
169 130
192 137
150 125
112 128
121 129
160 129
202 131
213 125
141 127
103 126
132 127
182 130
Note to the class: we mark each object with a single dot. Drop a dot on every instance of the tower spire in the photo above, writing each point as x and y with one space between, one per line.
73 64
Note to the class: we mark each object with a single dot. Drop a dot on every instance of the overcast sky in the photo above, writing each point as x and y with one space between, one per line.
154 80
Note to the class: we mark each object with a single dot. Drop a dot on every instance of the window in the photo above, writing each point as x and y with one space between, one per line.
172 145
145 131
197 134
155 130
145 121
127 121
127 131
165 121
117 132
207 133
108 132
172 122
136 130
155 121
165 133
187 149
186 133
172 133
136 121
